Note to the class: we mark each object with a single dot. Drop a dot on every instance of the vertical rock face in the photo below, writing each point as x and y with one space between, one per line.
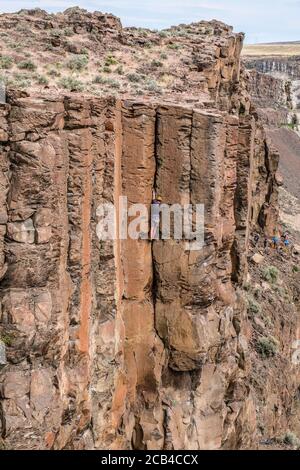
274 83
268 91
127 343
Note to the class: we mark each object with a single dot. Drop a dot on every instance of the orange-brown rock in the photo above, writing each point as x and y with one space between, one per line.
128 344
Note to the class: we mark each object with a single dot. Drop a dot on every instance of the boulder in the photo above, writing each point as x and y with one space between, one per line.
258 258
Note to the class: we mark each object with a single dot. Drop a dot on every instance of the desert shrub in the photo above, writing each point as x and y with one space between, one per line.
253 307
6 339
71 83
27 65
106 81
295 269
114 84
270 274
23 28
16 45
156 63
163 56
291 439
120 70
6 62
153 86
54 73
56 32
134 77
174 46
182 33
110 60
106 69
20 81
42 80
163 34
142 32
99 80
257 292
49 47
68 32
78 63
267 346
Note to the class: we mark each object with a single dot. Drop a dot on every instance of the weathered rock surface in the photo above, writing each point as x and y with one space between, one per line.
128 344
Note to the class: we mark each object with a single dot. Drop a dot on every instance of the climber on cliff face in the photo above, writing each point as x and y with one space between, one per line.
286 241
276 240
155 218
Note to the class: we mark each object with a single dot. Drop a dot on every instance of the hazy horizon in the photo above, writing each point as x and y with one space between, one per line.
262 22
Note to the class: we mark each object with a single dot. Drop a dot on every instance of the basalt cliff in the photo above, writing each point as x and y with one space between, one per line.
133 344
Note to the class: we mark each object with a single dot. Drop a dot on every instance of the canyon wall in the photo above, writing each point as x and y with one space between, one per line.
288 66
275 85
128 343
125 344
270 92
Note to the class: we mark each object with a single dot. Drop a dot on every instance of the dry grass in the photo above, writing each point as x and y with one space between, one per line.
276 49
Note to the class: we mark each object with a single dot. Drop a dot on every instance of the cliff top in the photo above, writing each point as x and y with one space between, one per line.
79 51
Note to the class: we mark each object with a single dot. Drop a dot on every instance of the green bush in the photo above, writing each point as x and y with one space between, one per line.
6 339
253 307
182 34
156 63
68 32
119 70
153 86
15 45
54 73
270 274
291 439
78 63
174 46
6 62
163 34
72 84
110 60
23 28
134 77
106 69
20 81
163 56
267 346
27 65
42 80
296 269
56 32
106 81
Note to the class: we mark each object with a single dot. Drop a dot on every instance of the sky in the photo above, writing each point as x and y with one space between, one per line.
261 20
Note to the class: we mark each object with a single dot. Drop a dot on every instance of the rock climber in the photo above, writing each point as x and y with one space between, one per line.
275 239
155 217
256 239
286 241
